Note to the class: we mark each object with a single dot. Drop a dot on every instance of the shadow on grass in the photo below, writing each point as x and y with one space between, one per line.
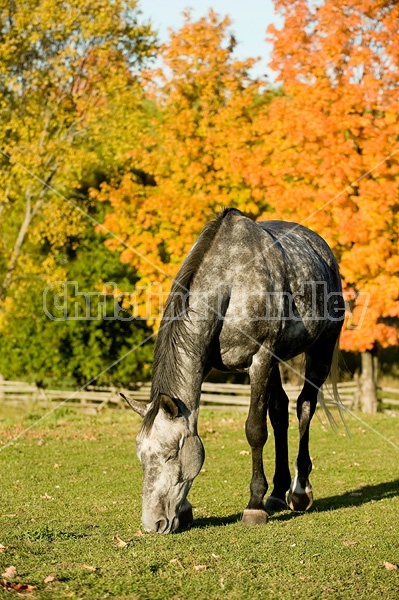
362 495
216 521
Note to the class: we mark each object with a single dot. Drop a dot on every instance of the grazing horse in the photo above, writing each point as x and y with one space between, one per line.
248 296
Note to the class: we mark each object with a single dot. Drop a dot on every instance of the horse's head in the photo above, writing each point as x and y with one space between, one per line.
172 455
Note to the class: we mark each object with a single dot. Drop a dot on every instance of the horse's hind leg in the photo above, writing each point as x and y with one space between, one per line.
278 413
318 363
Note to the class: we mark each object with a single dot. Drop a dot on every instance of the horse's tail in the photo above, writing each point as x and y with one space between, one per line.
336 402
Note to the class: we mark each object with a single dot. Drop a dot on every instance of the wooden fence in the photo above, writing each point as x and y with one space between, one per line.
218 395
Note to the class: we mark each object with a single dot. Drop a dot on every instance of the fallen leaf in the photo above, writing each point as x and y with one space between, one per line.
40 443
176 561
349 543
89 568
18 587
2 548
47 497
139 533
56 466
9 573
244 452
22 587
121 543
390 566
49 579
199 567
356 494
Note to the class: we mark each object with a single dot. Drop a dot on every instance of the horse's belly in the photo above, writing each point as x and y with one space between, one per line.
295 339
239 343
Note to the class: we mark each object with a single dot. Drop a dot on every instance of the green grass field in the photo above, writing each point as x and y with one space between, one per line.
70 497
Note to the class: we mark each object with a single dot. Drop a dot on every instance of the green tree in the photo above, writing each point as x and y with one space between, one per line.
70 105
50 349
66 70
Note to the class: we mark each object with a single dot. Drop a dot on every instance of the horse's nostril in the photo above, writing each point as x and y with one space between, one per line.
161 525
175 524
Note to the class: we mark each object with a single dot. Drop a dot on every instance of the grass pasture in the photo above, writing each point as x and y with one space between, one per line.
70 515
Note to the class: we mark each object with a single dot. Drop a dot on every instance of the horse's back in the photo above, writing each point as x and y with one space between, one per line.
286 253
283 283
295 237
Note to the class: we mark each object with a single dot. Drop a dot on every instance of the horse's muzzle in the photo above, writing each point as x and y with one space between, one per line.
163 525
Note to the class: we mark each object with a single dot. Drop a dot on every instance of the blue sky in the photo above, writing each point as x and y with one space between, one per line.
250 20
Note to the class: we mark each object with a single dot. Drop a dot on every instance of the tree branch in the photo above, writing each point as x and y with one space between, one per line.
30 213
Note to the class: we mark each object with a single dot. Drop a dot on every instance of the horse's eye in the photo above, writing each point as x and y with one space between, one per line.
172 456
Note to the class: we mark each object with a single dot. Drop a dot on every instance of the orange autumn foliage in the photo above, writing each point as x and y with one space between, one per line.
324 152
184 167
330 157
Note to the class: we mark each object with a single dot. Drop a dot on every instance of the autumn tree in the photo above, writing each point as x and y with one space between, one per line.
330 157
186 165
64 66
71 105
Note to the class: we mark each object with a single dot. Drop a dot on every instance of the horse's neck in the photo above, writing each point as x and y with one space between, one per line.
190 380
201 327
182 376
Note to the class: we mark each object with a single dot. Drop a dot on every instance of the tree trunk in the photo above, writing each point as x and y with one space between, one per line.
368 398
30 214
17 246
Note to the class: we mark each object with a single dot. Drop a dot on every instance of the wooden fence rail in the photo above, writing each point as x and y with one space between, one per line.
217 395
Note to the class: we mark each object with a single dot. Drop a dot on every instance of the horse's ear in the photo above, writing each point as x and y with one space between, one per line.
169 405
139 407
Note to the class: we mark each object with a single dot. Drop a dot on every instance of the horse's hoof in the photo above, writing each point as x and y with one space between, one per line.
300 502
274 504
186 518
254 517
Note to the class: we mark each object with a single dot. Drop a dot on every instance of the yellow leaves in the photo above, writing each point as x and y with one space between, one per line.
59 222
193 154
66 118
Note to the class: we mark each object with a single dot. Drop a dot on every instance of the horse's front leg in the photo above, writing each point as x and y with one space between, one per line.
256 432
278 412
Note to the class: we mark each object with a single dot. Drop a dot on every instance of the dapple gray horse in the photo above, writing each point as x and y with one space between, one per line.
248 296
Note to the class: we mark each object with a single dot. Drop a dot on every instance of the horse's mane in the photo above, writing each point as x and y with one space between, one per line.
172 335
